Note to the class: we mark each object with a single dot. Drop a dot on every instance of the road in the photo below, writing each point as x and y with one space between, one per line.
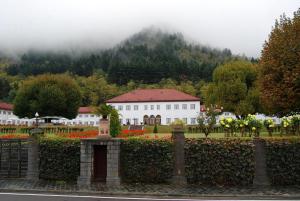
62 197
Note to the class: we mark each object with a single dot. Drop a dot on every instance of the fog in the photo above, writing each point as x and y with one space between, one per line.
240 25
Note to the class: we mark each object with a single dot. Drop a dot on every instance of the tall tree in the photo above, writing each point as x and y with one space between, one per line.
233 88
279 80
49 95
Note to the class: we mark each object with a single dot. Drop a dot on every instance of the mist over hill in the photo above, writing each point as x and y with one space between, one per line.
146 57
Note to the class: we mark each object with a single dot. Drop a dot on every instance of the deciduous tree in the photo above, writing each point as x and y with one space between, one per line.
279 80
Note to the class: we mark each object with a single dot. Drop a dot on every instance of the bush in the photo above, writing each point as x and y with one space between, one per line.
219 161
59 159
146 161
283 161
155 130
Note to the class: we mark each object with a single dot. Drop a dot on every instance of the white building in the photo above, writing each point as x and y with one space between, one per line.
7 116
160 106
84 117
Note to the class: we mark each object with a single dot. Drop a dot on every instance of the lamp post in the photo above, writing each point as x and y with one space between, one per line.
36 119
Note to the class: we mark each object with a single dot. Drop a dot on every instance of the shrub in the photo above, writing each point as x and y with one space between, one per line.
115 126
146 161
283 161
59 159
155 130
219 161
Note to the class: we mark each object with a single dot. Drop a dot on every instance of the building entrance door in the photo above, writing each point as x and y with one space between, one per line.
100 163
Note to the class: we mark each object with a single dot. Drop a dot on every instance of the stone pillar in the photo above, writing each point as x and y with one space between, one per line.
86 163
260 176
179 164
33 154
113 163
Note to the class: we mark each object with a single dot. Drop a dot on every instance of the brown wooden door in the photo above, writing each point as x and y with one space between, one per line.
100 163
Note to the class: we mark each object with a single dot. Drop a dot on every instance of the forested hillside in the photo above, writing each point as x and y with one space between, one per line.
146 57
149 59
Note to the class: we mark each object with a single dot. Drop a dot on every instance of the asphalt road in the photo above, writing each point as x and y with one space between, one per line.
4 196
61 197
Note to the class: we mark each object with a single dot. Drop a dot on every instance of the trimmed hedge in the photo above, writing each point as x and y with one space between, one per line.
219 161
146 161
59 159
283 161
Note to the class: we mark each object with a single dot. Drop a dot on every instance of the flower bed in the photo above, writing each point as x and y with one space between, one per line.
80 135
130 133
14 136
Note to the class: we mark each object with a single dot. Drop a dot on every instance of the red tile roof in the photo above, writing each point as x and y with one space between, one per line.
85 110
6 106
153 95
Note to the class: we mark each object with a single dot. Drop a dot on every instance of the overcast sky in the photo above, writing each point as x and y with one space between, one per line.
241 25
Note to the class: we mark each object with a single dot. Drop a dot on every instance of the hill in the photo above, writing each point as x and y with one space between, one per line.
146 57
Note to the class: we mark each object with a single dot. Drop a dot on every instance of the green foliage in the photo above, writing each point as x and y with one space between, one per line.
269 125
115 126
155 130
219 161
233 88
59 159
49 95
146 161
207 121
283 161
104 110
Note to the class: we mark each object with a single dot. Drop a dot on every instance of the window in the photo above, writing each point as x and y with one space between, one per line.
91 123
176 106
120 107
4 112
184 106
128 121
92 115
128 107
168 120
158 107
152 107
135 107
192 106
80 116
145 107
168 107
193 120
135 121
86 115
184 120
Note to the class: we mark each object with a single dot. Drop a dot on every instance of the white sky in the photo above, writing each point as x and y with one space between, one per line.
241 25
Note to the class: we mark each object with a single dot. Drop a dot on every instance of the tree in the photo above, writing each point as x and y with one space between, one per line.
4 88
49 95
207 121
279 80
115 126
234 88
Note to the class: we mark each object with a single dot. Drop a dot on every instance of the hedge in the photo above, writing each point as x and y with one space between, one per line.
219 161
59 159
146 161
283 161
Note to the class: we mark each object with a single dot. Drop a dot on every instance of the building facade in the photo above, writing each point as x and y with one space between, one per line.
156 106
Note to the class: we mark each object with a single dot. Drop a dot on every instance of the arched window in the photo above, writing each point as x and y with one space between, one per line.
146 120
152 120
158 119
